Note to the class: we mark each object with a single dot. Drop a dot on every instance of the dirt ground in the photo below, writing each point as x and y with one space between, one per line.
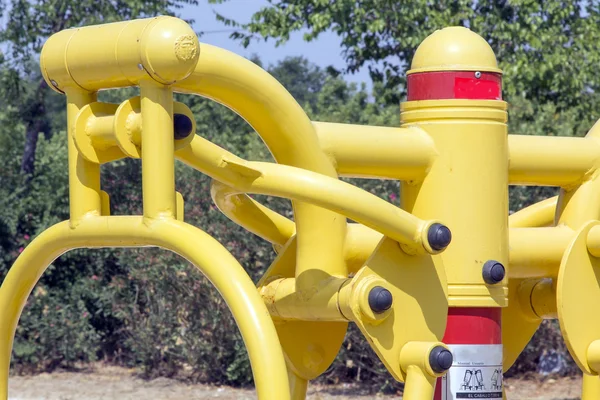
103 383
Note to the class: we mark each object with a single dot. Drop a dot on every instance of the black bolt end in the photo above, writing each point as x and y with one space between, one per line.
380 299
439 236
440 359
182 126
493 272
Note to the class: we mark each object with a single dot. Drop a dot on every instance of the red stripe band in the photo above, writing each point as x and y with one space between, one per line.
454 85
473 326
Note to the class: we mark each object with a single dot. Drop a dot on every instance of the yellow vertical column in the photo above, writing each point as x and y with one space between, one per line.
158 159
84 176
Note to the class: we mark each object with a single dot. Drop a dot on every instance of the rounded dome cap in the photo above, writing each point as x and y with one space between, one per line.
454 49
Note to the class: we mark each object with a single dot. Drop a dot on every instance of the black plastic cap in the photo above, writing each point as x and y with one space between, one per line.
182 126
493 272
440 359
439 236
380 299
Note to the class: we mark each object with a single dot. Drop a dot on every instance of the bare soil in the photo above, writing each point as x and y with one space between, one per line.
104 382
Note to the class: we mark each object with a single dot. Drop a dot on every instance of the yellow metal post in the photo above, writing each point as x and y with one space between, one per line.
158 160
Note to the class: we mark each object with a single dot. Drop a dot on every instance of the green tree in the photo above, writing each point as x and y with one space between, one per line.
548 49
28 24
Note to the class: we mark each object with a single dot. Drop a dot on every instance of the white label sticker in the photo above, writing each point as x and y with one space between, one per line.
476 372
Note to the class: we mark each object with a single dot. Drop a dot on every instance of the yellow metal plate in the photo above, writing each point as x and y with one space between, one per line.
420 301
310 347
578 297
518 327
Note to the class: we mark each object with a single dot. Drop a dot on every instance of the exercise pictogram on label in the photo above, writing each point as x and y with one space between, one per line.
475 374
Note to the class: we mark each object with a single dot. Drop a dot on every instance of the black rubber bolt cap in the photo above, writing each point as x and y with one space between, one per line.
380 299
440 359
182 126
439 236
493 272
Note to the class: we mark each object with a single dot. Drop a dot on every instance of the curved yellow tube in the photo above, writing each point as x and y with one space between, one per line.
536 215
289 134
377 152
250 214
333 194
213 260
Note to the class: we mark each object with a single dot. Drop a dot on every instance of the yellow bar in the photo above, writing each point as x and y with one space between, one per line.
377 152
309 187
550 160
591 387
333 194
289 134
322 304
419 385
213 260
536 215
84 176
120 54
537 252
250 214
361 242
298 386
158 161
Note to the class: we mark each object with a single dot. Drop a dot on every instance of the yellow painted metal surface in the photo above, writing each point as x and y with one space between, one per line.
213 260
471 139
454 159
454 49
420 304
578 284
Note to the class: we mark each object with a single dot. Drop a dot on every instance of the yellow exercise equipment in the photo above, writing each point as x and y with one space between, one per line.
447 288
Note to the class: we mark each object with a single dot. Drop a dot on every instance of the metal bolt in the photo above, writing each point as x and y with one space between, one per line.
477 74
380 299
439 236
440 359
493 272
140 67
53 82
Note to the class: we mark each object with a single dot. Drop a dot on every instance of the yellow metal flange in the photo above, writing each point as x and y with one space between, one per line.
309 346
128 126
577 292
100 148
420 302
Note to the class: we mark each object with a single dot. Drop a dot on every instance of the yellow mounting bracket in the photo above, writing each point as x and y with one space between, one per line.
105 132
577 293
419 308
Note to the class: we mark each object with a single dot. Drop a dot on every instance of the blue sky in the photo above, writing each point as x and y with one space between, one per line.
324 51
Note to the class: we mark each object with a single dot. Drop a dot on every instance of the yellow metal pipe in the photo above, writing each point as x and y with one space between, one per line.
333 194
84 176
250 214
361 242
590 387
536 215
550 160
537 252
121 54
306 186
377 152
289 134
319 304
298 386
213 260
158 161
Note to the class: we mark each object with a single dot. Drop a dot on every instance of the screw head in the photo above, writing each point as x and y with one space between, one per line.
493 272
477 74
182 126
140 67
439 236
54 83
380 299
440 359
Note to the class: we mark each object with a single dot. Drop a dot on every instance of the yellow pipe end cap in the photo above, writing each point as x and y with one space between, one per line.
170 50
454 49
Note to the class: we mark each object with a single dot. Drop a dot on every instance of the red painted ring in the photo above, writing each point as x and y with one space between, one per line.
441 85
